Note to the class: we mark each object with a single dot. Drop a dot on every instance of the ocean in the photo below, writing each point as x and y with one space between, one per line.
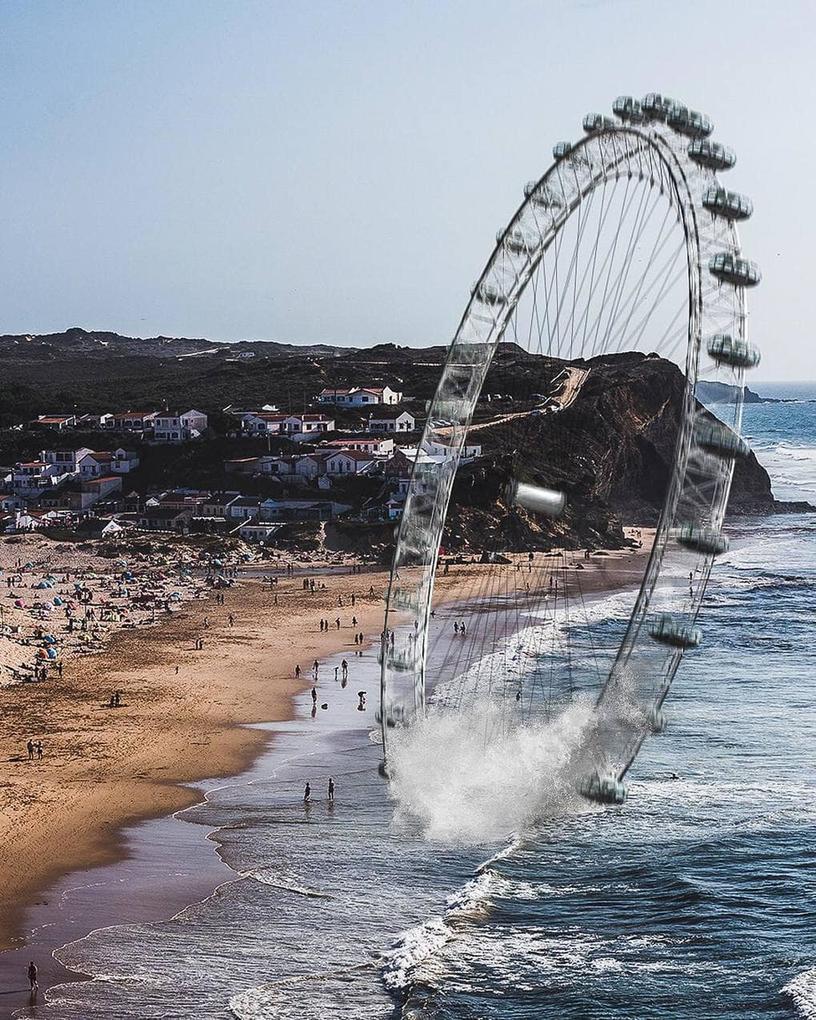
694 899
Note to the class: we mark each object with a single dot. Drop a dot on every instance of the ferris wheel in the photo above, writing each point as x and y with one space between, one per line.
627 243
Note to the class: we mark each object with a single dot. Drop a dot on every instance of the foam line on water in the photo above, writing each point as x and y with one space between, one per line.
802 992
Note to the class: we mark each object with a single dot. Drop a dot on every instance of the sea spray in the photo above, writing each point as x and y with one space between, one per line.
465 789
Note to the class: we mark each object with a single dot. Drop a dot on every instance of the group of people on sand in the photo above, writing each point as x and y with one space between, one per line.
35 749
307 793
459 627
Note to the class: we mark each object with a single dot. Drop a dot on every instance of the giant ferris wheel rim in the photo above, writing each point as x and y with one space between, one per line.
681 174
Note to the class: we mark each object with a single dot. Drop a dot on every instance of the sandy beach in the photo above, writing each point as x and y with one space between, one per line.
181 712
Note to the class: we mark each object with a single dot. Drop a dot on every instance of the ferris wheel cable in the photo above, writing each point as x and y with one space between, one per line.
667 284
641 220
602 218
575 304
633 298
572 271
662 278
606 265
626 205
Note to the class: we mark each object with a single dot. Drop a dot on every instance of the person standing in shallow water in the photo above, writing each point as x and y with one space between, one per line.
307 793
331 790
32 976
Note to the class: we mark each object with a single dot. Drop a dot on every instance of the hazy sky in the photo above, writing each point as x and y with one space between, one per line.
314 171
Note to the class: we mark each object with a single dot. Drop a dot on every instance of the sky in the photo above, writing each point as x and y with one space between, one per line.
337 171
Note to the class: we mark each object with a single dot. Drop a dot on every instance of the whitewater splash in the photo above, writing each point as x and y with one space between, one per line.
462 789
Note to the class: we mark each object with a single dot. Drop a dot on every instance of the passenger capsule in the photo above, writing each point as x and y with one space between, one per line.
653 106
720 441
602 789
688 122
729 268
544 196
597 122
725 350
548 502
561 149
709 541
711 155
669 631
402 661
404 598
491 295
628 108
728 204
518 242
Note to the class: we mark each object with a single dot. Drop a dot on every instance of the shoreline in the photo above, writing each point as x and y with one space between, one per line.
231 746
107 768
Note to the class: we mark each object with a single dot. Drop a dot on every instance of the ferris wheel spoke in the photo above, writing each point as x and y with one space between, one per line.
642 218
633 298
665 279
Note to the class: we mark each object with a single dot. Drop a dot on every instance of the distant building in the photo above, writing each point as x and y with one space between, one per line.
135 421
358 396
391 419
349 462
263 423
377 445
308 426
55 421
178 427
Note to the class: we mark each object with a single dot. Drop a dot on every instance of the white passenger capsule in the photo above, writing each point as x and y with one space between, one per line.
548 502
602 789
725 350
709 541
668 631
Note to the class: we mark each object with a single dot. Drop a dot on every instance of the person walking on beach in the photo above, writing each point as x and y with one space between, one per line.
331 790
39 750
344 667
32 976
30 747
297 672
314 695
307 793
455 626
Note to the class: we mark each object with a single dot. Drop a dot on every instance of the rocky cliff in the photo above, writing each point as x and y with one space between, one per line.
610 451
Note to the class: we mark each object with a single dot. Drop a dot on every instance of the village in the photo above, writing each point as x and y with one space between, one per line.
349 454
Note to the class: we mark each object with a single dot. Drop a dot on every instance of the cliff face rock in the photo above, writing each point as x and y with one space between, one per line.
610 451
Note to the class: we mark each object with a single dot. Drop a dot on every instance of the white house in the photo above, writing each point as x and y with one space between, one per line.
67 461
470 451
391 419
31 477
263 423
176 427
376 445
358 396
124 461
55 421
135 421
243 508
349 462
308 426
310 465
